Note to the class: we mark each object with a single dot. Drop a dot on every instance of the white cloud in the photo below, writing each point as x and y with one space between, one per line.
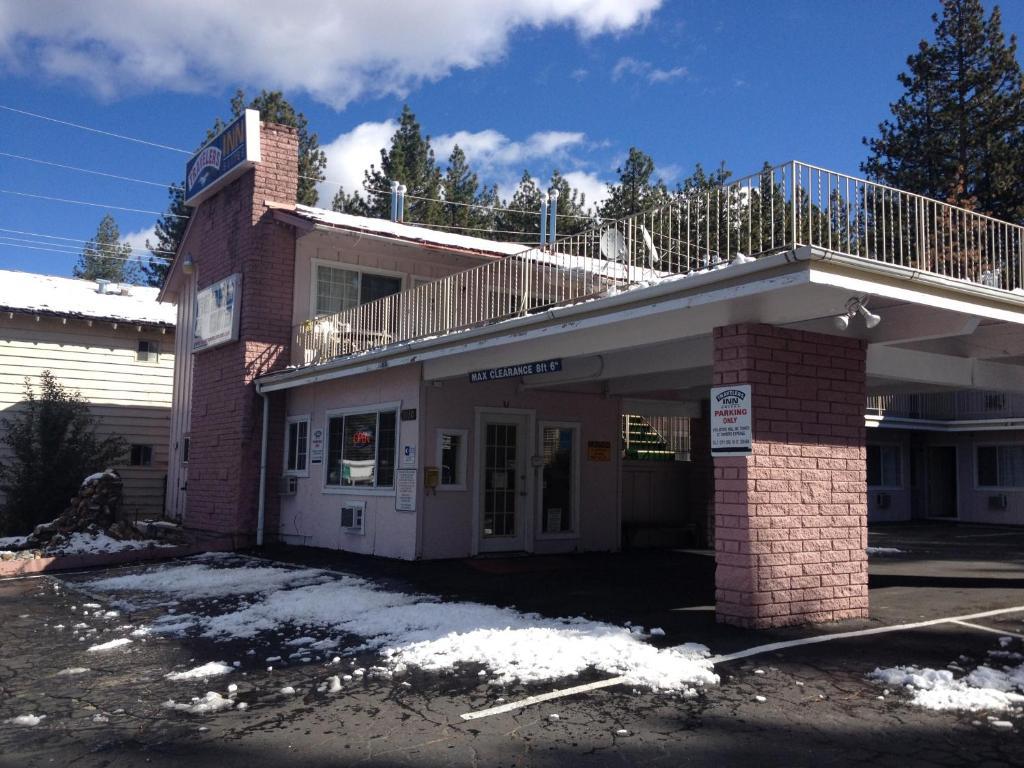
336 52
496 158
349 155
137 240
595 189
645 70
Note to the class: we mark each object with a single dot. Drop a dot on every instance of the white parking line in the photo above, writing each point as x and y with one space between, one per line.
993 630
756 650
543 697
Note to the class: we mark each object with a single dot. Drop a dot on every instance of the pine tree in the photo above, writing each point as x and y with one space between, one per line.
636 189
274 108
105 257
461 188
409 161
169 231
346 203
51 444
520 221
957 132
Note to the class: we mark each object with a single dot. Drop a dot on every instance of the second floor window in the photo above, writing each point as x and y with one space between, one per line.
884 466
338 289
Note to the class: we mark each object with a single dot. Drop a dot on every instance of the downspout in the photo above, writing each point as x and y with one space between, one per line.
263 470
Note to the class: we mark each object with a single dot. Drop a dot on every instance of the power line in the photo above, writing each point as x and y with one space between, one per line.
94 205
111 250
75 239
95 130
85 170
68 253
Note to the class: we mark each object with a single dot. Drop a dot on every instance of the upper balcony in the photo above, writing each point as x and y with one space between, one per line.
946 407
781 209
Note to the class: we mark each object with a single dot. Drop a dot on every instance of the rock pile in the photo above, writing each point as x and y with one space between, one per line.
92 510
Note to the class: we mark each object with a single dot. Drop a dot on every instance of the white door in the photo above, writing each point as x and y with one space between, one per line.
502 481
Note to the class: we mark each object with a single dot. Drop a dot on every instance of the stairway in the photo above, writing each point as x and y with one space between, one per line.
642 441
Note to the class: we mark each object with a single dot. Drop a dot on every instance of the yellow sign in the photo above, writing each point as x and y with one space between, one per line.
599 450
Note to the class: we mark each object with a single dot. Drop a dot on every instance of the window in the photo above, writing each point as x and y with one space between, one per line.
1000 466
141 456
296 448
451 458
338 288
884 466
186 446
361 449
559 500
147 351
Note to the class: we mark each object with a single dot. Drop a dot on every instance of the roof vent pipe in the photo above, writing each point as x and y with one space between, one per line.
543 219
401 202
101 285
554 215
394 201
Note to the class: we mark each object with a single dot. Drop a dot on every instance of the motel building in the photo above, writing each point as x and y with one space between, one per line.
694 374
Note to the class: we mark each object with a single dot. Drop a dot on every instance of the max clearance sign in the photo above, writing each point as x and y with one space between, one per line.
227 155
732 432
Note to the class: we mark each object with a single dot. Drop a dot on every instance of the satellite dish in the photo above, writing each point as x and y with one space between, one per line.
613 245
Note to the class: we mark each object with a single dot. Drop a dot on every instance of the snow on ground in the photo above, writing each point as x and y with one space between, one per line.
420 630
85 543
211 669
884 551
11 542
26 720
985 688
109 645
211 702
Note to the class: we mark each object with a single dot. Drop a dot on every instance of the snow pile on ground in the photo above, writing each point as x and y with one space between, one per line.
8 543
79 543
109 645
211 702
884 551
26 720
420 630
983 689
211 669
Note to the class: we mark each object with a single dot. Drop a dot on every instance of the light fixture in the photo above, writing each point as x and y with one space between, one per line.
188 266
856 306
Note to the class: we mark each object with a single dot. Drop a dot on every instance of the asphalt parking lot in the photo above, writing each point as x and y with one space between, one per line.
800 705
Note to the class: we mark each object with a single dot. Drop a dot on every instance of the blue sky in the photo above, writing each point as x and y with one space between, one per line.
530 84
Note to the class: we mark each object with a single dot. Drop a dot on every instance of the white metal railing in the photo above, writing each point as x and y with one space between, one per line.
947 406
778 209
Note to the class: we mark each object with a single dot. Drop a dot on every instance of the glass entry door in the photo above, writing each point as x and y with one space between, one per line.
503 483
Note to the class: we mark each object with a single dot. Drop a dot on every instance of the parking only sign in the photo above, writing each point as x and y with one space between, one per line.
732 432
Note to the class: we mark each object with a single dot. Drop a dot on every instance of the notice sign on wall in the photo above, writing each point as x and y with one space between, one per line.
405 490
217 313
599 450
732 432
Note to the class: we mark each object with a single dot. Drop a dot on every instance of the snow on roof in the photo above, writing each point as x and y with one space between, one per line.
47 294
408 232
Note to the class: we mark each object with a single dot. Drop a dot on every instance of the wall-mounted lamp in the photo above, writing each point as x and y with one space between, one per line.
188 266
856 306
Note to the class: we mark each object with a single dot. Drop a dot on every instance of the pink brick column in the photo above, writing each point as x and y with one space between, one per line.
791 519
233 231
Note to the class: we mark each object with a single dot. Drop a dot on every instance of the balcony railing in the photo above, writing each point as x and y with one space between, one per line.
948 406
775 210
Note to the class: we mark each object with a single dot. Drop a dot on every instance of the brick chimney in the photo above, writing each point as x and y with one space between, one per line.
233 231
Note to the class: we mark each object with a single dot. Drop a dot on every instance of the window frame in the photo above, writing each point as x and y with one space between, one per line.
299 419
359 269
361 490
883 486
152 354
131 454
999 487
463 458
577 485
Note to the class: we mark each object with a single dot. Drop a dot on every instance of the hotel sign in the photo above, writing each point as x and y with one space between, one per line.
515 371
732 433
227 155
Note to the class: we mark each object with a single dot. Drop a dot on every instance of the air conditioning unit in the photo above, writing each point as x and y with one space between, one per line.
998 501
883 500
353 514
289 485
